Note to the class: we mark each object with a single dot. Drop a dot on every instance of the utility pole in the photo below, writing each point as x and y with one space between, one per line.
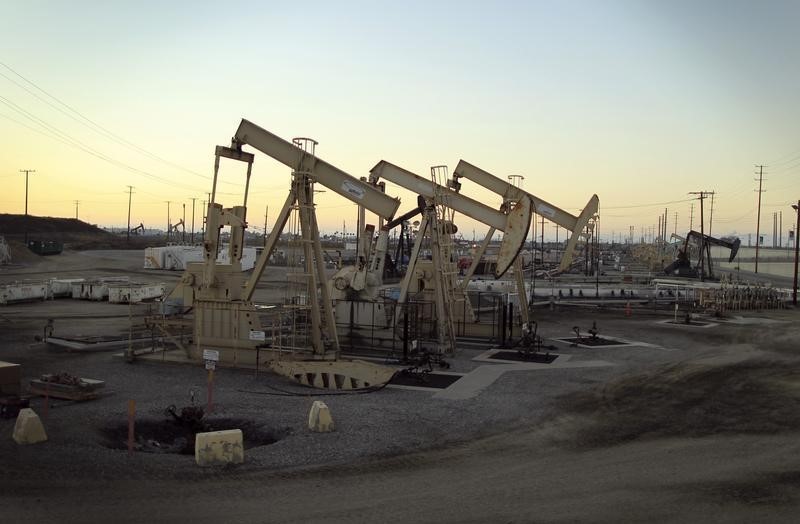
660 227
76 208
205 217
711 217
183 225
596 232
556 226
691 216
701 258
780 228
543 240
796 244
675 230
266 217
27 172
169 225
758 219
130 192
533 256
774 229
194 199
203 229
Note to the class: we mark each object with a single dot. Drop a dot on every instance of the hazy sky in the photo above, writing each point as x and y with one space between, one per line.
640 102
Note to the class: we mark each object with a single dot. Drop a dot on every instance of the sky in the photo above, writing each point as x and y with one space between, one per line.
641 102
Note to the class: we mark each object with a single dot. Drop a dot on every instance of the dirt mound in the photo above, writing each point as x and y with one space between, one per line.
20 254
17 224
754 396
73 233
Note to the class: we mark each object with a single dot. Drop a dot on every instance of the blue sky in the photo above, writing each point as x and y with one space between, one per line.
640 102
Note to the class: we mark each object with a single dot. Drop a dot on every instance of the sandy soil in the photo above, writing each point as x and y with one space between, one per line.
690 425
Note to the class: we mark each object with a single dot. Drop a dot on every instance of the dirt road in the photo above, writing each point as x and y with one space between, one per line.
515 477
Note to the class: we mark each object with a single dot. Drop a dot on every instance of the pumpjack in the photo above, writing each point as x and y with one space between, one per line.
703 267
218 298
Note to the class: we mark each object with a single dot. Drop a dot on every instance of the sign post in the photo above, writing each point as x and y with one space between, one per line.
211 358
260 336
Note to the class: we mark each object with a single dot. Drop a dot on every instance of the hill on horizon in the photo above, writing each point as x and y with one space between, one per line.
73 233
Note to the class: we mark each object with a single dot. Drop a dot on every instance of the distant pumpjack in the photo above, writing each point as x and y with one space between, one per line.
703 268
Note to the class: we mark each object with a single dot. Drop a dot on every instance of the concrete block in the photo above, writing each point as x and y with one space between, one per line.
28 428
319 418
217 448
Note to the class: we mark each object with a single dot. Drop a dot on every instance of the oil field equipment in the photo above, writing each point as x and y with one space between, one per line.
220 296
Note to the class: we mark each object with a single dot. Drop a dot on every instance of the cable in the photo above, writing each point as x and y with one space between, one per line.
278 392
650 205
77 144
94 126
788 168
792 157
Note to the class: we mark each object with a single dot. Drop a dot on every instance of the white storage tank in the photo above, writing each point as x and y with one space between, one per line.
24 291
177 257
62 287
154 257
134 292
95 289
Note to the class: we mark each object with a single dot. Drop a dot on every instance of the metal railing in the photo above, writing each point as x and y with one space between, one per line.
367 327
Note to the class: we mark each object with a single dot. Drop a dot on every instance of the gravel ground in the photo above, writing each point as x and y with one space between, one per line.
377 424
387 424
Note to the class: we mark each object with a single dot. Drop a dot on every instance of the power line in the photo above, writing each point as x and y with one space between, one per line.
649 205
91 124
794 164
783 159
77 144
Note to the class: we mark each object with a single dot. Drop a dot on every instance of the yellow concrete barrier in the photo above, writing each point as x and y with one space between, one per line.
28 428
319 418
217 448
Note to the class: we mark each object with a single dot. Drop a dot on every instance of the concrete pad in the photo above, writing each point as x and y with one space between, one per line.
218 448
425 388
679 324
484 376
29 429
319 418
487 357
750 321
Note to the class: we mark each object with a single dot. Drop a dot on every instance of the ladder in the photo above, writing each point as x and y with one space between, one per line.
308 297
